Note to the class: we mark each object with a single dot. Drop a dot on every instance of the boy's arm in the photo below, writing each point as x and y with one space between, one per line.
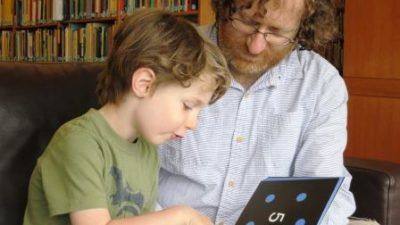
178 215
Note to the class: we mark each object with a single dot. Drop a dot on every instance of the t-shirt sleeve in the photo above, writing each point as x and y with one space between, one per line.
72 173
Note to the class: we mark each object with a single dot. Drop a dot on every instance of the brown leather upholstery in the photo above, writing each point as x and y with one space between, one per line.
35 99
376 187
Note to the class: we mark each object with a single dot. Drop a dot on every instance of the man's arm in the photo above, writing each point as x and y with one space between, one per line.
323 144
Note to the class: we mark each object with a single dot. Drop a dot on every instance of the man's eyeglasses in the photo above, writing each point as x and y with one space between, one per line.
273 39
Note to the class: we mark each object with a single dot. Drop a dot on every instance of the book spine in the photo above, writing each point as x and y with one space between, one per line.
58 10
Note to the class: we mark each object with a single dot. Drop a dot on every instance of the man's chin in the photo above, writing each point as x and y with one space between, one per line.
242 67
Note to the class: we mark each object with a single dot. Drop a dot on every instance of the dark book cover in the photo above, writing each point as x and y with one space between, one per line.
290 201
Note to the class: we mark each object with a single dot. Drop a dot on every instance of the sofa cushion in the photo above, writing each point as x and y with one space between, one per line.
35 99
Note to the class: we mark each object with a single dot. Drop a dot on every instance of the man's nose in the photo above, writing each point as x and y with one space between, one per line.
256 43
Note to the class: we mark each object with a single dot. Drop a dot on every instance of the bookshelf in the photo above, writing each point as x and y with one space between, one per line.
74 30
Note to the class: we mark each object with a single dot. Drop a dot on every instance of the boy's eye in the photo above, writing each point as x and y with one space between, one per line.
187 107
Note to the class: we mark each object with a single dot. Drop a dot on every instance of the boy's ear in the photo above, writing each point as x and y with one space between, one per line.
142 81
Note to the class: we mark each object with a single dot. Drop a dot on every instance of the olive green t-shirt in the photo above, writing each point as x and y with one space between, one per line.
87 165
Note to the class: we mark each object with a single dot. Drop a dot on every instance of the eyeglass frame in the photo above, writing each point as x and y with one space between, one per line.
265 34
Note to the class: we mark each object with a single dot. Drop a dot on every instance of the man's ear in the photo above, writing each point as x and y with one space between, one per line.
142 81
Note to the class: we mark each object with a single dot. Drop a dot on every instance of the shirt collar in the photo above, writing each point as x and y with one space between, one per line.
287 69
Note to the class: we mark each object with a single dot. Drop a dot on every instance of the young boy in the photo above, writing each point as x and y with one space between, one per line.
102 168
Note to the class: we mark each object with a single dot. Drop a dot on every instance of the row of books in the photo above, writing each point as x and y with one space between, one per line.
32 12
76 42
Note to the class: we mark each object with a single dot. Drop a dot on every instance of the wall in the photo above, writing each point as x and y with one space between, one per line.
372 74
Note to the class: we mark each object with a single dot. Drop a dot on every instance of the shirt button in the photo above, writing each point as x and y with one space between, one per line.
247 94
221 223
231 184
239 139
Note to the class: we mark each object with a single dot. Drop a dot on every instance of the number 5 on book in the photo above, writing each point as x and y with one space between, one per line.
276 217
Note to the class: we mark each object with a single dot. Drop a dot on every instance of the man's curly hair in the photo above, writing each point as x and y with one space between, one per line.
318 26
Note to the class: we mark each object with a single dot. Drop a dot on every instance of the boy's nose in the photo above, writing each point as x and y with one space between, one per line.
256 43
191 122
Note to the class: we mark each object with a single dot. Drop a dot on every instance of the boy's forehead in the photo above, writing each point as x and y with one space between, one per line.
207 80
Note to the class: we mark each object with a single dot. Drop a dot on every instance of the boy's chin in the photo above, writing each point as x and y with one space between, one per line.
159 140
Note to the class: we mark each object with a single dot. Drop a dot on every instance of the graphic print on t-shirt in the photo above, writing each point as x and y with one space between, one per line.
128 202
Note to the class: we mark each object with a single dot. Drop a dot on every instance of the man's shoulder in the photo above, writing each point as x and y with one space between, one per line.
315 68
313 72
311 61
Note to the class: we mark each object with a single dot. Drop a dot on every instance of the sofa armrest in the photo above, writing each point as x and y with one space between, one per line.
376 189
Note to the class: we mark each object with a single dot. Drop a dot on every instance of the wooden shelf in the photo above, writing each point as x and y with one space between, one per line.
6 27
92 20
42 25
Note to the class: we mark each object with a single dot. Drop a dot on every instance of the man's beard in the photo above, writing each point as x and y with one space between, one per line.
242 63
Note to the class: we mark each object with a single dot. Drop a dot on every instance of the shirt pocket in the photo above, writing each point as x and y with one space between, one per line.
284 125
280 136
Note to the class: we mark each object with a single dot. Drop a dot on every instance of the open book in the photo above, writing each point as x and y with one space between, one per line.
290 201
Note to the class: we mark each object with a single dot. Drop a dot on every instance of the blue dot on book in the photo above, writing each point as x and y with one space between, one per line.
301 197
251 223
270 198
300 222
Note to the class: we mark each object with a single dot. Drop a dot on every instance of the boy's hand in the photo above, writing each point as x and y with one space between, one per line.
178 215
190 216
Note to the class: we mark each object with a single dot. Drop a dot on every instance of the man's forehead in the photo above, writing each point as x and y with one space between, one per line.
270 8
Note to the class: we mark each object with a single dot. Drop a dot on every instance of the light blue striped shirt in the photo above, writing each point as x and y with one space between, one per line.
290 122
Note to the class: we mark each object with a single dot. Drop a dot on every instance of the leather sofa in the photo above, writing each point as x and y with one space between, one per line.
35 99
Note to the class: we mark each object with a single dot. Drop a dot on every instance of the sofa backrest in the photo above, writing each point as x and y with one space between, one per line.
35 99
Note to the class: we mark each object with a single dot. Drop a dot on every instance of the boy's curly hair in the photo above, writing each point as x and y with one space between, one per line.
169 45
318 26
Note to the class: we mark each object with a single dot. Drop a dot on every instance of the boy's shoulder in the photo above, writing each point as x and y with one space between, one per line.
80 130
87 122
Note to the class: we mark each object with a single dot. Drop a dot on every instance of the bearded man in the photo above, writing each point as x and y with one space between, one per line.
285 113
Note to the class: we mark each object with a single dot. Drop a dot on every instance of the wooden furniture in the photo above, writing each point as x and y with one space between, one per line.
372 74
